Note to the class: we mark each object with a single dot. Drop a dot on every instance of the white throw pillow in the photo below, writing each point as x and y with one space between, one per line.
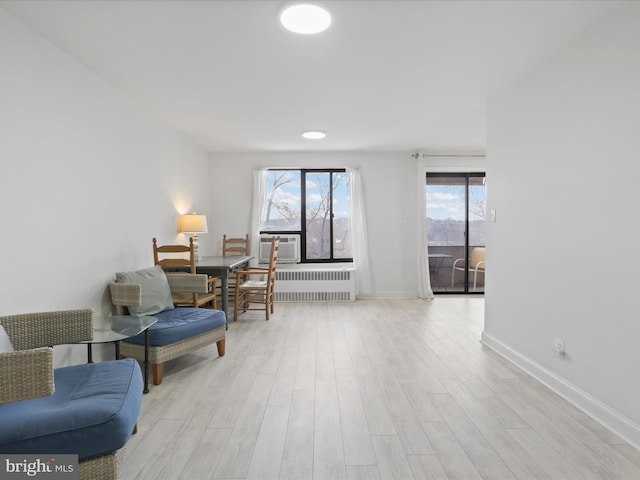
5 341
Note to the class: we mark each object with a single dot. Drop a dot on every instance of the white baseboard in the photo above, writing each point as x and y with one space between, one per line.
610 418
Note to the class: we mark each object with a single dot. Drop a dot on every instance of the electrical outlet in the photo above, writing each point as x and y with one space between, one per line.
558 347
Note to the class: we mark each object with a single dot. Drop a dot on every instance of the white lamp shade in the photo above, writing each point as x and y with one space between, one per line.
192 223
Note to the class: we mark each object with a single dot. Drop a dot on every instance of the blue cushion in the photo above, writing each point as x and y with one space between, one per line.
92 412
180 323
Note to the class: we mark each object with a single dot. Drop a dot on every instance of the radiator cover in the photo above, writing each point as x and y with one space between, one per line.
307 284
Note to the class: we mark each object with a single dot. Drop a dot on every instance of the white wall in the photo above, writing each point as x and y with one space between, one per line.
563 172
389 184
87 179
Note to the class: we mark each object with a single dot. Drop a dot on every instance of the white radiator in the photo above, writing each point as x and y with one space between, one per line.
309 284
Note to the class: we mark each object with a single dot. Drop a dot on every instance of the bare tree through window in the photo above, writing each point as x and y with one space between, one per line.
282 210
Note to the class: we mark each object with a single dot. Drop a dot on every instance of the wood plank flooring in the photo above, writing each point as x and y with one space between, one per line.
389 389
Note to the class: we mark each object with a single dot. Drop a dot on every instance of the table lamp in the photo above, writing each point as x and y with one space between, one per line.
194 224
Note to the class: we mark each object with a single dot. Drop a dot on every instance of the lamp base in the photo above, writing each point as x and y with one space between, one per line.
196 252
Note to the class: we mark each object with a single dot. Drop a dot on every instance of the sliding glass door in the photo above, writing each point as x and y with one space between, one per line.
456 231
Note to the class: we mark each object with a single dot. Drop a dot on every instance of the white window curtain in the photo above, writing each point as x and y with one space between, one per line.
359 234
424 279
258 201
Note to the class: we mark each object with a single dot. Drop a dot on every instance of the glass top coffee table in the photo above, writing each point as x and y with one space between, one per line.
116 328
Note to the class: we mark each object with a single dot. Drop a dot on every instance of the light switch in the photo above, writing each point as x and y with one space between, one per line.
492 213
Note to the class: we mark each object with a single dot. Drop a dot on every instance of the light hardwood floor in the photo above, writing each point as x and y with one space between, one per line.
393 389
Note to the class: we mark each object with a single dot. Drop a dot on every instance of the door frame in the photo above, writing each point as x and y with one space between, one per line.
466 174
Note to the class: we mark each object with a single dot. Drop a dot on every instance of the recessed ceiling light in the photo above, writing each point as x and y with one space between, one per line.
305 19
314 134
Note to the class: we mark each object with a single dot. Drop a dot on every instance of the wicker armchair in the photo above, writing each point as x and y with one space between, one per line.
125 295
27 374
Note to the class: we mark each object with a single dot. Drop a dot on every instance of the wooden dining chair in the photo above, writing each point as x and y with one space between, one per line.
172 256
255 285
233 246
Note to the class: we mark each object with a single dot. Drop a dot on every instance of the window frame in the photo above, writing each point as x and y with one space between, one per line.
303 215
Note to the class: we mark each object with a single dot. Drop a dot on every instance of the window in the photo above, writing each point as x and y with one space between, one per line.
314 204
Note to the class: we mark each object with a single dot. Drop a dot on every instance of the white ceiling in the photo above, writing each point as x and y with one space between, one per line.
386 75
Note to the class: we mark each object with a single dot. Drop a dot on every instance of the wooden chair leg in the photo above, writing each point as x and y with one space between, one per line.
212 287
158 373
220 345
240 299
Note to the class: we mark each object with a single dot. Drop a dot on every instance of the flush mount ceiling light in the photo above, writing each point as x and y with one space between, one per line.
314 134
306 19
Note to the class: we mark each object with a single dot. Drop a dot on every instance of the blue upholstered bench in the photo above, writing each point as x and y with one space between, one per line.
178 330
180 324
90 409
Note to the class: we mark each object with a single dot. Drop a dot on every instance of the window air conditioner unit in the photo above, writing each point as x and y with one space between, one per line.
288 251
